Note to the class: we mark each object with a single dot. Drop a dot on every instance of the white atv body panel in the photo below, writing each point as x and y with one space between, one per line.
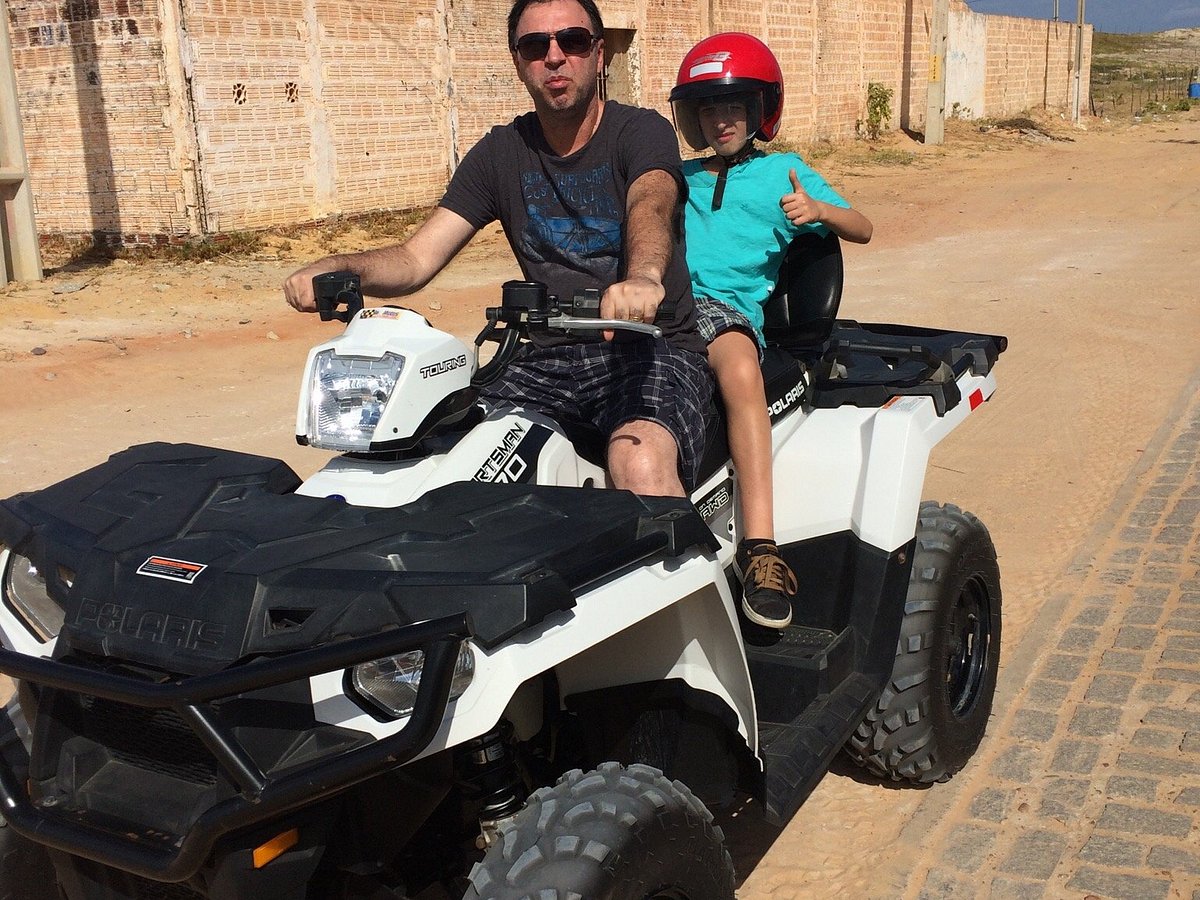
629 630
862 469
506 447
632 629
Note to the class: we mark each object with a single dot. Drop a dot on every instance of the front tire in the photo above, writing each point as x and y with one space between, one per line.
614 833
932 715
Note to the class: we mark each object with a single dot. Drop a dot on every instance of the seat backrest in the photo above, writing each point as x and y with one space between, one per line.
805 301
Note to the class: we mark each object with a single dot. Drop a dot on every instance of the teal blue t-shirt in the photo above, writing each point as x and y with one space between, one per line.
734 254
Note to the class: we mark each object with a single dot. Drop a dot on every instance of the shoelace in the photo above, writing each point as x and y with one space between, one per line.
766 570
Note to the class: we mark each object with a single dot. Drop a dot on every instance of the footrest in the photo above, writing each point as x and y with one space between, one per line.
792 667
797 754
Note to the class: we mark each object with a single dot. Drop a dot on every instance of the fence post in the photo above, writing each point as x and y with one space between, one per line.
1079 62
935 102
20 258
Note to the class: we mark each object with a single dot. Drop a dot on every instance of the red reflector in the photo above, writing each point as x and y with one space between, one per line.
976 398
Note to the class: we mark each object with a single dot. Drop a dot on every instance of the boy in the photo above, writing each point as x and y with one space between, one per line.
739 219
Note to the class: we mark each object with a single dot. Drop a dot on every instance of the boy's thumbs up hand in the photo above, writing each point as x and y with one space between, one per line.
800 208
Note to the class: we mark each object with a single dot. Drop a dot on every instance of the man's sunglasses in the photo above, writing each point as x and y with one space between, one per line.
572 41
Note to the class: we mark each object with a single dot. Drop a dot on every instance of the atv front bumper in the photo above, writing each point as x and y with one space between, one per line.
259 796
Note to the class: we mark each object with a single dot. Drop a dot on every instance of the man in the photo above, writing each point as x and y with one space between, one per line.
588 194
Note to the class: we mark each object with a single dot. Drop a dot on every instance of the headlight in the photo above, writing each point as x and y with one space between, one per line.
25 594
347 397
391 684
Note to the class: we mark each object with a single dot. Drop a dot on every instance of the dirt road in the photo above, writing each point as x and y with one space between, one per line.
1082 251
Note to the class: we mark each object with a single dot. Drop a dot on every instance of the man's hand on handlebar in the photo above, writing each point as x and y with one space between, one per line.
634 300
298 288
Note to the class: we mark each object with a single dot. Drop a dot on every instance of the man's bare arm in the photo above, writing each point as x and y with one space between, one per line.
389 271
650 212
649 241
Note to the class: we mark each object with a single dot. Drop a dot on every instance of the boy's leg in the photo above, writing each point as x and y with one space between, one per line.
768 584
733 356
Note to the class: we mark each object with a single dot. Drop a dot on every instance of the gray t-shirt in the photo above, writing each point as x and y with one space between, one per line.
564 216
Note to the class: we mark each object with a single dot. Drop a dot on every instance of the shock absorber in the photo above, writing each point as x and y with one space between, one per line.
487 767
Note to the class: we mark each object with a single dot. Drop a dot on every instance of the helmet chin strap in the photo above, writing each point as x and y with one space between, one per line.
727 163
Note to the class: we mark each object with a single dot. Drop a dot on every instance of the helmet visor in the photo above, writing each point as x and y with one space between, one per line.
725 100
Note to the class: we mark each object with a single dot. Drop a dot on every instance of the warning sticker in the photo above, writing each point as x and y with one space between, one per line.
171 569
901 403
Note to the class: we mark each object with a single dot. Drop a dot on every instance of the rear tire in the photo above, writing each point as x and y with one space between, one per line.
932 715
614 833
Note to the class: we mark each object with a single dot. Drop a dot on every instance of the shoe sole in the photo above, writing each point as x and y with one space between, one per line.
765 622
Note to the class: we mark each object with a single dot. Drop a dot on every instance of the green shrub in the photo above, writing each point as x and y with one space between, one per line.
879 110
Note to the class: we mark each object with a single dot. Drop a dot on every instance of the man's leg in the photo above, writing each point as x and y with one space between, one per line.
653 409
644 458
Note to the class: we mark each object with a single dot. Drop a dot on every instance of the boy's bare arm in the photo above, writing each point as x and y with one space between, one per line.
801 209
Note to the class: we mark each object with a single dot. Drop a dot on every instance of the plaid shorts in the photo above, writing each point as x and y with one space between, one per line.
714 317
606 384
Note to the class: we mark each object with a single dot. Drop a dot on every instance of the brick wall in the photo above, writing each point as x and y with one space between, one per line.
95 107
1031 63
486 89
268 112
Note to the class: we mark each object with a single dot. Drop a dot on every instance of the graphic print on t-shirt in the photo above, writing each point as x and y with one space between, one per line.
574 222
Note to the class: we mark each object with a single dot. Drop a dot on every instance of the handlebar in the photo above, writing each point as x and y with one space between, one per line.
338 296
526 307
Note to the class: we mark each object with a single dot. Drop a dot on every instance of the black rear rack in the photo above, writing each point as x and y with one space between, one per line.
868 364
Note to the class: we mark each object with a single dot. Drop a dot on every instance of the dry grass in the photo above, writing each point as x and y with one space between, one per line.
1135 75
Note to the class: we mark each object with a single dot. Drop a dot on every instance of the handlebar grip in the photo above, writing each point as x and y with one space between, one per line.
586 305
338 295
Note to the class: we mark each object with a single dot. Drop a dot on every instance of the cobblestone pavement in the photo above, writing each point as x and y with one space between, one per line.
1088 783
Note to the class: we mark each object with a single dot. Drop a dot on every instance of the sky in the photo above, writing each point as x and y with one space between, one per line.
1120 16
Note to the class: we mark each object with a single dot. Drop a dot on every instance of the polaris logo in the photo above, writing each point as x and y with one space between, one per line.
785 402
504 464
446 365
149 625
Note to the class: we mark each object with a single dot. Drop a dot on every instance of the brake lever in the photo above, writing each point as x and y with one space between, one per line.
575 323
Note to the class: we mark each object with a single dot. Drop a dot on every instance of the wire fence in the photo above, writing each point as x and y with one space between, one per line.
1134 91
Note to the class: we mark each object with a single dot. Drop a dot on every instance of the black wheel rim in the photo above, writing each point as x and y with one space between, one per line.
970 632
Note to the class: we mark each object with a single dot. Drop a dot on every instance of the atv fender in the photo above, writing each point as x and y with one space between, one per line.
864 468
673 619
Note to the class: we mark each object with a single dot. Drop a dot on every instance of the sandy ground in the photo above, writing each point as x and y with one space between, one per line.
1081 249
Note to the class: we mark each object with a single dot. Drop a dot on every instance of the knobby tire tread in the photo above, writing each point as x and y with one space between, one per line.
901 738
615 833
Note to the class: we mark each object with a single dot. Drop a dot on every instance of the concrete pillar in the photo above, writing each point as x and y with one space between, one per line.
20 257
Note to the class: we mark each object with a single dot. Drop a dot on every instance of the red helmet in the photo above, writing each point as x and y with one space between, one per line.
724 64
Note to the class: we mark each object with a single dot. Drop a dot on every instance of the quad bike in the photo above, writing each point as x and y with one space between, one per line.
451 664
